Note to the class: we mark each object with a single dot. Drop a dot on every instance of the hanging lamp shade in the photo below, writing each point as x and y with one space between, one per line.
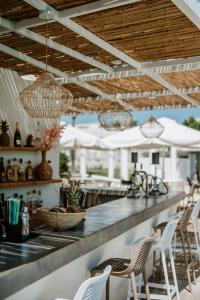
46 98
112 120
151 128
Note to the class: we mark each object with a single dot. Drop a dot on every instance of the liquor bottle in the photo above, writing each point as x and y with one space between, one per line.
29 203
22 203
40 199
29 171
34 199
15 170
25 223
2 171
9 171
21 171
38 135
17 136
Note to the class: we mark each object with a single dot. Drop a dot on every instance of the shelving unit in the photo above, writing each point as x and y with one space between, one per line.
28 183
23 149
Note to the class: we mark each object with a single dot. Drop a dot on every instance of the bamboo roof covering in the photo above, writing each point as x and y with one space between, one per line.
146 31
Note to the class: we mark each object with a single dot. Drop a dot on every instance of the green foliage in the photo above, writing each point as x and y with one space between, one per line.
192 122
134 123
64 163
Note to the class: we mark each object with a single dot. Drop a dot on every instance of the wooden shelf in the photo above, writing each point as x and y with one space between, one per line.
28 183
23 149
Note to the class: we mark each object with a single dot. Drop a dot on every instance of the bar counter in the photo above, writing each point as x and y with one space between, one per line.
28 262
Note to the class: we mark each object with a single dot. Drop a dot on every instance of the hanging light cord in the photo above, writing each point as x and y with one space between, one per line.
46 51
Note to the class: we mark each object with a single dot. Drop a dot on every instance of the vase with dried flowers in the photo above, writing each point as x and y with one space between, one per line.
44 170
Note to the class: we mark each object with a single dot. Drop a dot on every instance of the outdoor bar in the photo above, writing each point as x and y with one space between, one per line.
100 143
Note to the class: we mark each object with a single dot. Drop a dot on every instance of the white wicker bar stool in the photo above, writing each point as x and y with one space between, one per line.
129 268
196 229
92 288
163 244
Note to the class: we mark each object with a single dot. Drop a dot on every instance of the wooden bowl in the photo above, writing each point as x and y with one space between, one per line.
60 221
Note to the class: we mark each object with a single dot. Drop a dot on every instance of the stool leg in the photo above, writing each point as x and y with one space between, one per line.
196 239
186 261
190 254
174 274
146 285
134 287
165 273
108 289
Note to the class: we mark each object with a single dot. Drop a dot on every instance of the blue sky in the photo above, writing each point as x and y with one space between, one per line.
177 114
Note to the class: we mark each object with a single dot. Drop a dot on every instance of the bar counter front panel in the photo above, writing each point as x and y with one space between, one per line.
25 263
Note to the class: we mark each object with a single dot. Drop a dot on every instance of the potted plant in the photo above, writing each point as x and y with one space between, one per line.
62 218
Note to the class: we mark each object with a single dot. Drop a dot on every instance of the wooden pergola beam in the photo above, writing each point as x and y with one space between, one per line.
72 12
107 47
54 45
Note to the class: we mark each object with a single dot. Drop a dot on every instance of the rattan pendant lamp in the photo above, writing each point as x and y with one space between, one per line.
112 120
46 98
151 128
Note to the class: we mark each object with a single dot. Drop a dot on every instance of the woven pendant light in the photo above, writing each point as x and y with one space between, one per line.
112 120
152 128
46 98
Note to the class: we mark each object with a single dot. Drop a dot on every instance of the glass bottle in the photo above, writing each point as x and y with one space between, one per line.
40 200
29 203
25 223
15 170
21 171
38 135
2 171
34 199
17 136
9 171
29 171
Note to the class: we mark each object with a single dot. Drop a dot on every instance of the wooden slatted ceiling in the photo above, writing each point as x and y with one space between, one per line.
17 10
78 91
126 85
147 30
183 79
61 35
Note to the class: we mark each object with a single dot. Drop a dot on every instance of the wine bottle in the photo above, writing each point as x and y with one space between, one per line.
17 136
15 170
38 135
21 171
9 171
29 171
2 171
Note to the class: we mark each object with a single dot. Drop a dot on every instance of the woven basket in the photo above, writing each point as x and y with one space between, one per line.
60 221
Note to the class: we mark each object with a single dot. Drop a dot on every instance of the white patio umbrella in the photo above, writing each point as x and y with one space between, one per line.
74 137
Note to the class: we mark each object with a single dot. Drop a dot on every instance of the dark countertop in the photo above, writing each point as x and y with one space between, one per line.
25 263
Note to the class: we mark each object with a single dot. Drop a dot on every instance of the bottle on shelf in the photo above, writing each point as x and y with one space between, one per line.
21 171
9 172
40 199
34 199
29 171
17 136
38 135
2 171
15 169
29 203
22 203
25 223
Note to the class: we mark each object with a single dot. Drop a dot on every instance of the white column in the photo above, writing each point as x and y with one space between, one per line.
124 164
111 164
83 171
174 163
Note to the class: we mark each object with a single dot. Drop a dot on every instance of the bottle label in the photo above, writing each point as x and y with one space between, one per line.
30 174
18 142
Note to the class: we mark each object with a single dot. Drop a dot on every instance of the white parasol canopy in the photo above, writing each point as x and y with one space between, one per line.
74 137
174 134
